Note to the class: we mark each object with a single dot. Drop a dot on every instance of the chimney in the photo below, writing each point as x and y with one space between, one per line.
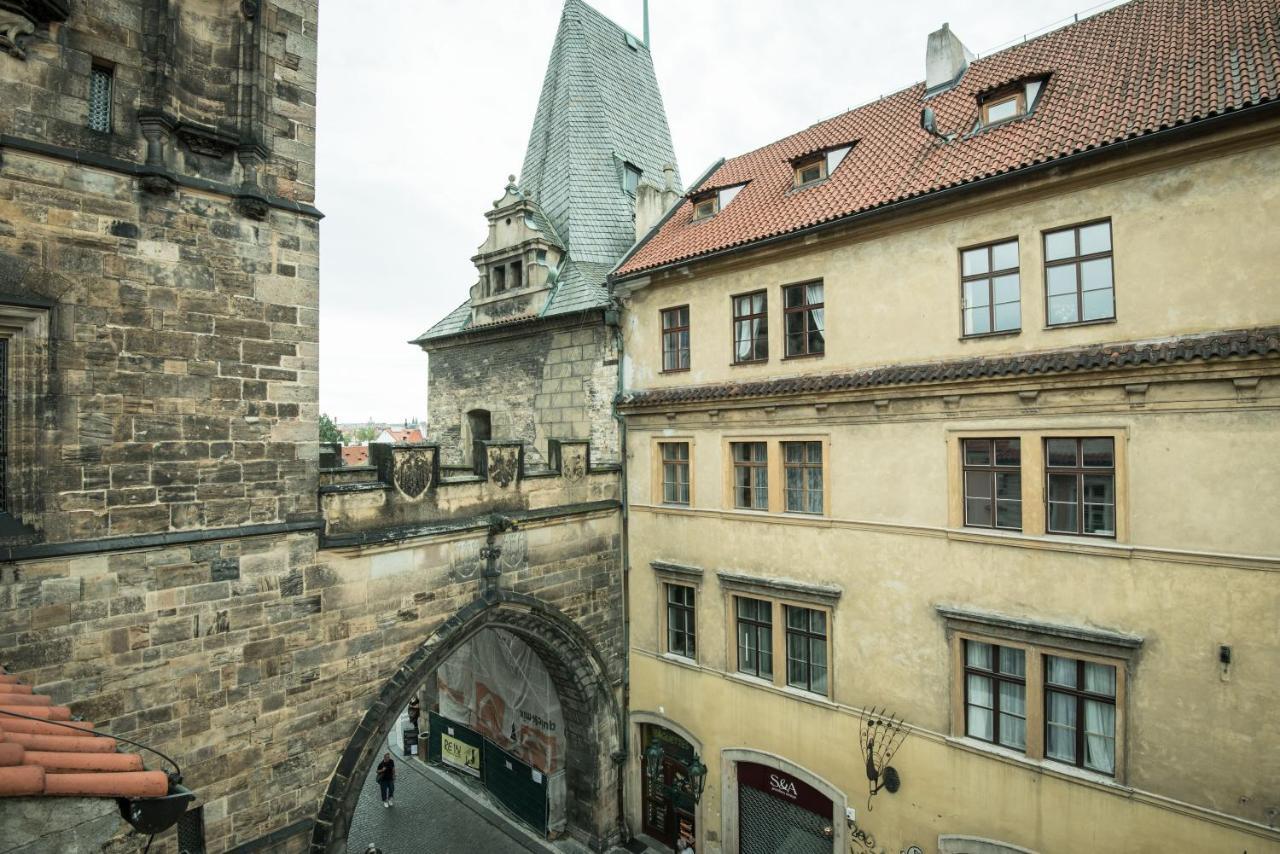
945 60
652 204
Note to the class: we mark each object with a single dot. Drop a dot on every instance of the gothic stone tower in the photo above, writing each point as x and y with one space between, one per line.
531 355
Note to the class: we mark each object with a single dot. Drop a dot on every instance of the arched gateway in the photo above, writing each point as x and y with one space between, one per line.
592 717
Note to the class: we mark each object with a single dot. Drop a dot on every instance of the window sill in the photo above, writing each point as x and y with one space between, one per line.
797 693
675 371
670 506
1004 333
1100 322
682 660
1049 766
749 362
804 356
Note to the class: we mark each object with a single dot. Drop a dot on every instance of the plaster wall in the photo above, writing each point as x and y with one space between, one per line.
1185 260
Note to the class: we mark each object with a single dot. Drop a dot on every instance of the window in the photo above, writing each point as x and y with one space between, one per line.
755 637
681 634
1080 713
803 308
1080 486
706 207
499 279
990 288
802 465
100 85
1078 275
995 694
675 339
993 483
675 472
809 171
630 178
751 327
806 649
750 475
517 274
4 424
1003 107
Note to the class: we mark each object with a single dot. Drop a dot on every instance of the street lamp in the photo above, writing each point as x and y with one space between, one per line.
689 787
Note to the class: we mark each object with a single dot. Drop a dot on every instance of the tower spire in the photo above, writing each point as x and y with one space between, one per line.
646 23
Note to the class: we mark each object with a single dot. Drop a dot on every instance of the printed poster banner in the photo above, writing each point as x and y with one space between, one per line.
459 754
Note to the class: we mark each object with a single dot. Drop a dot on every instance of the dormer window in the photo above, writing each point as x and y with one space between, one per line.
1010 103
631 178
706 207
812 168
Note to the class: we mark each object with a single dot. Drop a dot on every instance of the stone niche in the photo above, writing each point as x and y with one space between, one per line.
519 262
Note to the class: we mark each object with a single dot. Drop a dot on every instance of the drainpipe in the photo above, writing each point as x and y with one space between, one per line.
613 319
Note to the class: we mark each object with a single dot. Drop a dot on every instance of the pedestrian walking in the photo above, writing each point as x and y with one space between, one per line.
387 780
414 711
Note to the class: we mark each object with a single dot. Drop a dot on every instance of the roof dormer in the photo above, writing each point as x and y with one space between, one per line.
710 201
816 165
519 261
1008 102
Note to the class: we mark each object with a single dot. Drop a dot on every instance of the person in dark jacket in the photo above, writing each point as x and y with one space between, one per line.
387 780
415 709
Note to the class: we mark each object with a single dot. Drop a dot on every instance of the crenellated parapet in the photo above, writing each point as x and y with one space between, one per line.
405 492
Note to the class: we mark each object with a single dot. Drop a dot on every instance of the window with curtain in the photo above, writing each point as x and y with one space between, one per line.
681 634
1078 275
675 339
1080 713
1080 488
802 466
806 648
755 636
675 472
804 319
993 483
750 475
995 694
990 289
751 327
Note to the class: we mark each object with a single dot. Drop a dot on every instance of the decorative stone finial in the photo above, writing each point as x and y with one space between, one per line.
511 179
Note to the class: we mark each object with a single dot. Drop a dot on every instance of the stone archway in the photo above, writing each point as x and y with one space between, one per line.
593 721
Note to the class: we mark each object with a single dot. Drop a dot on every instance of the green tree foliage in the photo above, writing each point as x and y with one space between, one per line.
366 433
329 431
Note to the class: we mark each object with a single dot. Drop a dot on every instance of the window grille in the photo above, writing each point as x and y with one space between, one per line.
4 424
191 832
100 99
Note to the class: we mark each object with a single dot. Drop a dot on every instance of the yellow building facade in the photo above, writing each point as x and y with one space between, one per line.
1045 556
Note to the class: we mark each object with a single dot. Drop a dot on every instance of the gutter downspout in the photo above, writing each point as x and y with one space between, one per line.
623 829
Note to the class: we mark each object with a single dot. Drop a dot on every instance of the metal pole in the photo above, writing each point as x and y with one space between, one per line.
646 23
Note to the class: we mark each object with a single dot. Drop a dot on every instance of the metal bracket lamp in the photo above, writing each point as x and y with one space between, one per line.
880 736
690 787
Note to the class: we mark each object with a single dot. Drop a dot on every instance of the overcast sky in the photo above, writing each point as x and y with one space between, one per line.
425 107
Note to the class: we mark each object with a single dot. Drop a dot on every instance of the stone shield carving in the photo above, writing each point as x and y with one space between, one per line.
503 464
413 472
573 466
515 551
465 559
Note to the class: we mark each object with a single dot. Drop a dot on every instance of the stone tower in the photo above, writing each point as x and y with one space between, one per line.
531 354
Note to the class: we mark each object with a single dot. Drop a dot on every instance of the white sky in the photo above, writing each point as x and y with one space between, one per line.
425 107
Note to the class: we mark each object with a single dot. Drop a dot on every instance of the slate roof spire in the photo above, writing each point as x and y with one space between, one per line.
599 110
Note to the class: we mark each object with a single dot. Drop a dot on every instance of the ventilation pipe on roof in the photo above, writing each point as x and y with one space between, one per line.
945 60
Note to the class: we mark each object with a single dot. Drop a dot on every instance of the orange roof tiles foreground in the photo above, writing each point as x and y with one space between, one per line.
1125 73
43 757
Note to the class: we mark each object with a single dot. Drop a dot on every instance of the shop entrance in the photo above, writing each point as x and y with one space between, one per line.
668 812
779 814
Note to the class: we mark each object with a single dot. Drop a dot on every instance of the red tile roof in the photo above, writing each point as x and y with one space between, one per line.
355 455
410 435
38 757
1125 73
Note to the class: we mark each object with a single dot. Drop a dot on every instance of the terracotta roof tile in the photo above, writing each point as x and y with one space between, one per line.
41 758
1125 73
1240 343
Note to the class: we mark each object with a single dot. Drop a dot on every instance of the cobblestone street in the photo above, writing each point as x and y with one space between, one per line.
429 817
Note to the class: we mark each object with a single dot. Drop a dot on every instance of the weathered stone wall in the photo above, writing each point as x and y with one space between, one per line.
554 381
180 388
251 660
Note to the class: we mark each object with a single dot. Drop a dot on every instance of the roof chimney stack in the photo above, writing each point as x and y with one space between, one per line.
945 60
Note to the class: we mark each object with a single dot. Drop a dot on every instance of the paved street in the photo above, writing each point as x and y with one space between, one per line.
429 817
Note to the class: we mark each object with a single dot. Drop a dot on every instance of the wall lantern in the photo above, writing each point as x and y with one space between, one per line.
688 787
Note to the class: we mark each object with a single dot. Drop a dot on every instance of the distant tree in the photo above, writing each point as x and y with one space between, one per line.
329 431
366 433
